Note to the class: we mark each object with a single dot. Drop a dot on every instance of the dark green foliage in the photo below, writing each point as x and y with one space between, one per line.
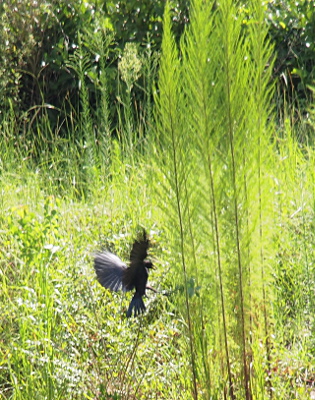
39 38
134 20
292 29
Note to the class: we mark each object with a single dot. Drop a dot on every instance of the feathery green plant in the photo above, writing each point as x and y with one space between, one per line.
85 138
99 42
175 163
200 65
129 68
212 120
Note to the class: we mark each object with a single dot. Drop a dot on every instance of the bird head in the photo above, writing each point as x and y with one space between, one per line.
148 264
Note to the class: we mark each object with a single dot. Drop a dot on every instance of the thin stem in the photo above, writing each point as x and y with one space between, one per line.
236 215
218 252
180 218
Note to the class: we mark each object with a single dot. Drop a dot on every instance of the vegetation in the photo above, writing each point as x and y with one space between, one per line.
188 134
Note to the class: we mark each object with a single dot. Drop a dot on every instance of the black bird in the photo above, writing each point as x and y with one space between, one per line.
113 274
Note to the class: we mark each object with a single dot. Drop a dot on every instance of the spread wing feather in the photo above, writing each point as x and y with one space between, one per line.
139 250
110 271
138 253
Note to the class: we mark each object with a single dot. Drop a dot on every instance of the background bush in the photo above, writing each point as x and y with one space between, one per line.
40 37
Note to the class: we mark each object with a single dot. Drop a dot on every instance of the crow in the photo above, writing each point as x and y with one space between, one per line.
113 274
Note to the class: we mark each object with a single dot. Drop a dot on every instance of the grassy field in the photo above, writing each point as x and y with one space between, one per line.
64 336
227 197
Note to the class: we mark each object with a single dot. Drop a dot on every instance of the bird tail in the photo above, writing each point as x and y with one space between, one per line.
137 304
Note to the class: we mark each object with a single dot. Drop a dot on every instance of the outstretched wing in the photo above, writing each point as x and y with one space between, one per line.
138 253
110 271
139 249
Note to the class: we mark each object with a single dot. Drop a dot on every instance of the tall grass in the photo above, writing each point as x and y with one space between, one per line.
176 166
215 155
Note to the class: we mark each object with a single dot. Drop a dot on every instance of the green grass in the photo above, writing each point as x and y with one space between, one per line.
62 334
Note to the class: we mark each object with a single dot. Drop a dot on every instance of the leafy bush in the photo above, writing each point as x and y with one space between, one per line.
41 37
292 29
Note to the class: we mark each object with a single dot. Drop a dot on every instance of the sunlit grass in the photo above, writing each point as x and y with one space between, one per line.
64 335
